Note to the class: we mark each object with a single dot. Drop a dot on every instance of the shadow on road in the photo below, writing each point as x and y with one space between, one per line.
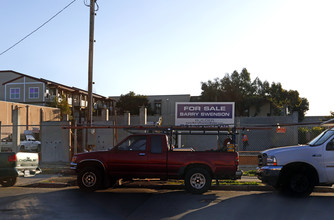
266 206
136 203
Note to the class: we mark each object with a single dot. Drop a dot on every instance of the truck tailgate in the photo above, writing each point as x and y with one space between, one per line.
27 163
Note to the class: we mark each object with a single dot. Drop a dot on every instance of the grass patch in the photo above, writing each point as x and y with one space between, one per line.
236 182
176 182
249 173
221 182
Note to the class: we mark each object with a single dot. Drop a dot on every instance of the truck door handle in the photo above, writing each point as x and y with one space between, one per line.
316 155
141 154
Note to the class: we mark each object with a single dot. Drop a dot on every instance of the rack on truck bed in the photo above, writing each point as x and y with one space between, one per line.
226 135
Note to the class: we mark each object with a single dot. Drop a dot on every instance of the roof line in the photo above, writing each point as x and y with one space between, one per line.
48 81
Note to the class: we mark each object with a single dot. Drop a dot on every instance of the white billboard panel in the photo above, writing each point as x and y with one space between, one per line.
204 113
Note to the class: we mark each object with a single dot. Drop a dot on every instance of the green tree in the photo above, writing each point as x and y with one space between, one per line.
132 102
63 105
239 88
287 99
236 88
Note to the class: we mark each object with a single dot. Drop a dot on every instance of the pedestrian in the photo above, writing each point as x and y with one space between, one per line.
244 142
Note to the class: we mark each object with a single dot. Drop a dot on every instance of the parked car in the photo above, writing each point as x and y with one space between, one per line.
295 170
152 156
8 172
28 143
14 164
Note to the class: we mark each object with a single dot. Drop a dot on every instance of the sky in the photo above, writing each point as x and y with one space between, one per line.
160 47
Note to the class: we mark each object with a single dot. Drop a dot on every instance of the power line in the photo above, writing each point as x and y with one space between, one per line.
38 28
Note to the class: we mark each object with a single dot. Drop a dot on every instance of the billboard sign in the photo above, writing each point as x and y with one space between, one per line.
204 113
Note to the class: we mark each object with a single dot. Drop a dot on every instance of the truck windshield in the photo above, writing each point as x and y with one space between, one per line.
321 138
30 137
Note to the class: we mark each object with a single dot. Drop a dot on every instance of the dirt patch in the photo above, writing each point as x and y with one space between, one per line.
55 182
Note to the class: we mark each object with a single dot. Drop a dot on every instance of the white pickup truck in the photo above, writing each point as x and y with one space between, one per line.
28 143
14 164
296 170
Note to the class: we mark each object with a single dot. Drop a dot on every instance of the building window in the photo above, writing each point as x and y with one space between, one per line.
157 107
33 93
15 93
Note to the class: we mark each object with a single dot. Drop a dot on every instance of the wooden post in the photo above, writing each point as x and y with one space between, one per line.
90 62
16 129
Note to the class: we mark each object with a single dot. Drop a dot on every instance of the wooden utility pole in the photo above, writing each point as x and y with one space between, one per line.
90 69
90 63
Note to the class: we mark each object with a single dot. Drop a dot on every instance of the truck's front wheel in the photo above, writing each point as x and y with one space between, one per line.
89 179
197 180
7 182
298 183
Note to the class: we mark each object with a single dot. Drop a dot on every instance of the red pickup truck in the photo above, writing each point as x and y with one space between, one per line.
151 156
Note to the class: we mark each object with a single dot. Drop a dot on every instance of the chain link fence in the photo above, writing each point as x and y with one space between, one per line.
266 138
59 144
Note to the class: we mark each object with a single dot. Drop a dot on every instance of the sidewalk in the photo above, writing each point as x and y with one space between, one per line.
62 168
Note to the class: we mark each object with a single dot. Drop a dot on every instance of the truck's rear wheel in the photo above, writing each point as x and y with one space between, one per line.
298 183
197 180
89 179
7 182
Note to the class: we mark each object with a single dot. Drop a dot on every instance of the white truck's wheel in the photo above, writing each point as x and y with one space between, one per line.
298 183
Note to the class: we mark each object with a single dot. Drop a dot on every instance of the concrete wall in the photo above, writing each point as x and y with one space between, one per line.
29 115
55 142
103 139
259 139
263 139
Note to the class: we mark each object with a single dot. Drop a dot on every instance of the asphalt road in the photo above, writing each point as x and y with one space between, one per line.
139 203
